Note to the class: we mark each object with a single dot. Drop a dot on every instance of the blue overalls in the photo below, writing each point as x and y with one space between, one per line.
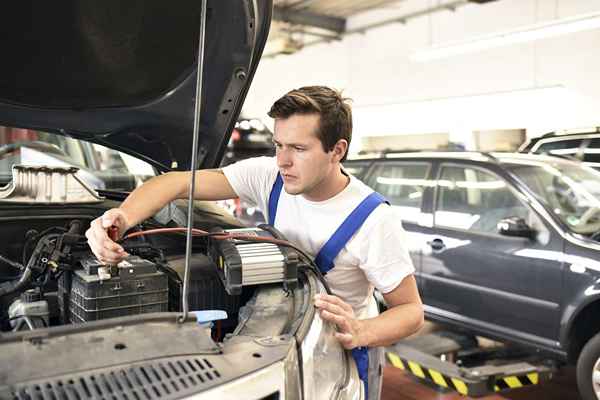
331 249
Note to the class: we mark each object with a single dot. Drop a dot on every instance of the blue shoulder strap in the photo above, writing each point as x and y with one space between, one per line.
274 198
346 230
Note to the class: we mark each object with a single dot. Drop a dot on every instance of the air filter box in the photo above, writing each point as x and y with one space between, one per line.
244 263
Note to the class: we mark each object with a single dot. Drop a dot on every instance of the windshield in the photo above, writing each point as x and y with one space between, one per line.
99 166
571 191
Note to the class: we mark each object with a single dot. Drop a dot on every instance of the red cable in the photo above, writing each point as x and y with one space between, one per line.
215 235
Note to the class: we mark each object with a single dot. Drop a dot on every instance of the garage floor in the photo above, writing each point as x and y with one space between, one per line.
398 385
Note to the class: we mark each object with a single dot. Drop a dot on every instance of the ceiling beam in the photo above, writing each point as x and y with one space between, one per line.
300 17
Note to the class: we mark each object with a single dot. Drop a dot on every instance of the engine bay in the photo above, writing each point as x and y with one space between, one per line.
51 278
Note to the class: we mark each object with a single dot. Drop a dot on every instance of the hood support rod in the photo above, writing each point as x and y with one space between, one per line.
194 166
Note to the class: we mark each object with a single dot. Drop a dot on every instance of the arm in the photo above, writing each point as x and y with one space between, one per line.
403 318
147 200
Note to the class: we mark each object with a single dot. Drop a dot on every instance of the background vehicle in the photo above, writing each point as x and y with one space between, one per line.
505 246
580 145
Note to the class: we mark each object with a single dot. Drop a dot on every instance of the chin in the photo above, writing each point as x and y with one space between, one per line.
294 190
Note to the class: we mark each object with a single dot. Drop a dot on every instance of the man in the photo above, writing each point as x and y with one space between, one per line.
313 127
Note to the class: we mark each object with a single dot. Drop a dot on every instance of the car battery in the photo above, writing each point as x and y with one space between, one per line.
134 286
244 263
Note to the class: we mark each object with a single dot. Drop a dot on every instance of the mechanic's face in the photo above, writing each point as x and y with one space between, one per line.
304 166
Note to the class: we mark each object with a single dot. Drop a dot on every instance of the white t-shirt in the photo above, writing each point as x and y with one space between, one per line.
376 255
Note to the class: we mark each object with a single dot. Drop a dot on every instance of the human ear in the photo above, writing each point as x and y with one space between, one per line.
340 149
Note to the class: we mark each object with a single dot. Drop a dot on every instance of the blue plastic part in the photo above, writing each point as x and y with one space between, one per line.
207 316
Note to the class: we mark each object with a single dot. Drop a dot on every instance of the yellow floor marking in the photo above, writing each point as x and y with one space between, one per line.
395 360
460 386
513 381
416 369
438 378
533 377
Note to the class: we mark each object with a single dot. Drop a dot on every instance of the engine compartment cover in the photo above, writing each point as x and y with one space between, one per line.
47 185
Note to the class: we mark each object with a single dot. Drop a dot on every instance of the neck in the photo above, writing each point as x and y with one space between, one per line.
329 187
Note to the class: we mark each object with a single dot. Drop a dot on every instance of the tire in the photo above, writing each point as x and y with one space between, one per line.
587 364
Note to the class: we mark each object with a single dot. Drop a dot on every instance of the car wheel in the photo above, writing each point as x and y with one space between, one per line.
588 370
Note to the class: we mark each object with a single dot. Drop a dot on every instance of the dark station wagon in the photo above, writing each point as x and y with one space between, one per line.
505 245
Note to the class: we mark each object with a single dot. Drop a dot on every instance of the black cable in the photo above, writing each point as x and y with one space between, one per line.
25 279
37 237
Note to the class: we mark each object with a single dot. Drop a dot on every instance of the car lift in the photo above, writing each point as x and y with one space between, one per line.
454 361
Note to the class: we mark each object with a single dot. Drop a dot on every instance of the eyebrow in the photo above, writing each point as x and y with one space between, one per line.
290 144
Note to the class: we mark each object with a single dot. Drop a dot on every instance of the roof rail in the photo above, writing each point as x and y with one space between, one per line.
490 155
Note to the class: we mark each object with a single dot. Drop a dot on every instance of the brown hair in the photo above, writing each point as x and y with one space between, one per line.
335 114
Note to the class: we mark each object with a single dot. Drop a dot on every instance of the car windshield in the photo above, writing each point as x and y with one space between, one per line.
571 191
99 166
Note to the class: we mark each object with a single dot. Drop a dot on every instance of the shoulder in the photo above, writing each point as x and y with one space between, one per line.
261 166
383 213
268 163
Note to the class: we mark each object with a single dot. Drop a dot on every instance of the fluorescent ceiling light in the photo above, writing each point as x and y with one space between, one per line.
543 30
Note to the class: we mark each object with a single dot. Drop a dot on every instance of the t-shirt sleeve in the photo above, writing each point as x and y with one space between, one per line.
252 179
383 250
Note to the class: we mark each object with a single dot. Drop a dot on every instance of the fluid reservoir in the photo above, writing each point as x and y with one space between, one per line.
30 311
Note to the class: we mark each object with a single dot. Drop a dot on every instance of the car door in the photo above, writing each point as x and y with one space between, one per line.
358 168
403 184
473 274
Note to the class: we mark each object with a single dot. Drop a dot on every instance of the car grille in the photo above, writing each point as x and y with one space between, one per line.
150 380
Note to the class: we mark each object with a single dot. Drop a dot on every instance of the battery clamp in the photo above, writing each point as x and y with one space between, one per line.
244 263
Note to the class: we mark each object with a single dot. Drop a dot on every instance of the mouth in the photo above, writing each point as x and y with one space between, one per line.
287 177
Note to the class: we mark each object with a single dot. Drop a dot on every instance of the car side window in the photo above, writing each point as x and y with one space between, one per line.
473 199
402 184
568 147
591 151
357 169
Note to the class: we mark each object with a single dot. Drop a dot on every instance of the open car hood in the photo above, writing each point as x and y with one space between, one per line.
123 74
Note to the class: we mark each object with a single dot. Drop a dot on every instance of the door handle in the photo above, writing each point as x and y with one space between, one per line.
437 245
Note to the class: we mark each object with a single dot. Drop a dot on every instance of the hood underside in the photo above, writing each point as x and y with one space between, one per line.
123 74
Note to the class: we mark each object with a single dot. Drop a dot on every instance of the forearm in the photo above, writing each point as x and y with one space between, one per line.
392 325
153 195
148 199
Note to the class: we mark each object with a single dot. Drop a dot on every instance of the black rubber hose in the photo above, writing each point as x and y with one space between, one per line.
13 286
25 279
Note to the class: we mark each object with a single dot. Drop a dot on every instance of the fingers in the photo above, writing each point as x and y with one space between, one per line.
101 245
332 308
114 217
342 322
336 301
345 339
335 310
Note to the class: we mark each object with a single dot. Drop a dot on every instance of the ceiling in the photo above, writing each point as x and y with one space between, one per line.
301 23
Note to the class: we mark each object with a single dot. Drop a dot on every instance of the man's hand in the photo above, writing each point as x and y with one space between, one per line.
102 246
333 309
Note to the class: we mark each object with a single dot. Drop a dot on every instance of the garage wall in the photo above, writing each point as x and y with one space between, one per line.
553 83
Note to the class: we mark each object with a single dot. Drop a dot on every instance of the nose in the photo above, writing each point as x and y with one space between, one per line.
284 158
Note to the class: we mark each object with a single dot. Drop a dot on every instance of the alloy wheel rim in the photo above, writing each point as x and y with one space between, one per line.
596 378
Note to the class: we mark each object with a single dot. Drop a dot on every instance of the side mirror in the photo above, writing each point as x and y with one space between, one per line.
515 226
